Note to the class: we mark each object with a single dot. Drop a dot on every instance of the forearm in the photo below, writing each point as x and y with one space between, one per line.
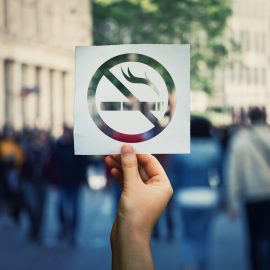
146 191
130 248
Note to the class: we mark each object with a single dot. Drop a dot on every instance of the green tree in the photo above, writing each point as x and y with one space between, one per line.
200 23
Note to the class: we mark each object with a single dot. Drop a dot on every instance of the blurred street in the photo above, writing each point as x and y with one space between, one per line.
57 208
93 249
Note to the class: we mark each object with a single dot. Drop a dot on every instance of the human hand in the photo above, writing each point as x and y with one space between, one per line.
146 191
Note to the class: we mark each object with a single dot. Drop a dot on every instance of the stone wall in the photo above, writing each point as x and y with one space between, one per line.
37 42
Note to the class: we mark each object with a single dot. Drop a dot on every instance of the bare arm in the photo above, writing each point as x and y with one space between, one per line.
146 191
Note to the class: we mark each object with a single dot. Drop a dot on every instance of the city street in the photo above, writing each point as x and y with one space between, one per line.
186 81
93 250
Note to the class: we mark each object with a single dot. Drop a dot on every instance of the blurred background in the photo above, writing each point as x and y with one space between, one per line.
56 210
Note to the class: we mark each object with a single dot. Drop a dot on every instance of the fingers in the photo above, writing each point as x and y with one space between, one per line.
129 164
151 165
112 163
143 174
115 169
117 174
116 157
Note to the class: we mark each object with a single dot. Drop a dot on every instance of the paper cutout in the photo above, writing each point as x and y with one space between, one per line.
136 94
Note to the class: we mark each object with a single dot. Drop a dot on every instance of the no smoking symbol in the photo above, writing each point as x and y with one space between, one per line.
130 96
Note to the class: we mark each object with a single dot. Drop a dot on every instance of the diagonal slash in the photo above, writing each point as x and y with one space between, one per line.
127 93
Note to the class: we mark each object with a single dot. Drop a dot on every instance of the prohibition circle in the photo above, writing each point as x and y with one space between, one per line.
104 70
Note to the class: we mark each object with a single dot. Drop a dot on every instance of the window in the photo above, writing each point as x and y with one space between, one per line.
240 71
248 75
247 40
23 84
256 42
38 82
8 90
6 14
255 76
242 40
24 71
51 93
263 76
64 95
232 71
263 42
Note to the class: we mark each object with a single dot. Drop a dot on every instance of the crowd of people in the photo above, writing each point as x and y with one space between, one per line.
226 166
31 161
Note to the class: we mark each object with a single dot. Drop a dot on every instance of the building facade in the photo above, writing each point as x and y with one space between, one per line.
37 49
245 83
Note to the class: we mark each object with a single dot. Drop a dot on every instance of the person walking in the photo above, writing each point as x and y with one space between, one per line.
71 171
34 174
11 160
195 178
248 173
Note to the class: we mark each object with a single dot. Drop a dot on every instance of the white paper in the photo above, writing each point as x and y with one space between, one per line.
126 90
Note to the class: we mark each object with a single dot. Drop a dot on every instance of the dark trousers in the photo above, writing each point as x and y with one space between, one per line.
169 223
34 201
11 191
68 211
258 219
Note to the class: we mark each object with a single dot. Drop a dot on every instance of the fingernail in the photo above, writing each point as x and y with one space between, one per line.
127 150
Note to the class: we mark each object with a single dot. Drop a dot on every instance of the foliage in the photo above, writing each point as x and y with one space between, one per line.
200 23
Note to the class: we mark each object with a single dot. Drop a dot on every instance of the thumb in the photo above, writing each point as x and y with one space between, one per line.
129 164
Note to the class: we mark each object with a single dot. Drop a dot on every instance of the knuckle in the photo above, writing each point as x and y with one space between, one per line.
169 190
129 163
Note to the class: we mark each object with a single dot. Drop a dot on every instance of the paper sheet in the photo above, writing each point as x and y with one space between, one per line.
137 94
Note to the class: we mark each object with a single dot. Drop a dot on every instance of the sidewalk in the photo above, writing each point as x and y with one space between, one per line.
93 251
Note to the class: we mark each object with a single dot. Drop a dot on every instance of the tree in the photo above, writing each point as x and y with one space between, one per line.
200 23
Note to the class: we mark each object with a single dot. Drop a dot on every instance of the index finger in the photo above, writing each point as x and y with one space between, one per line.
151 165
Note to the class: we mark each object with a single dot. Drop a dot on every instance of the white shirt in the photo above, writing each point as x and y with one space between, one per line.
248 171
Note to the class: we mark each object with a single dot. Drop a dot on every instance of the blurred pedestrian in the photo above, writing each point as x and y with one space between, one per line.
38 154
168 213
249 178
71 173
11 159
195 178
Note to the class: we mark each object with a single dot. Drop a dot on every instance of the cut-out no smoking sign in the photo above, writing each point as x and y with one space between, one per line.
136 94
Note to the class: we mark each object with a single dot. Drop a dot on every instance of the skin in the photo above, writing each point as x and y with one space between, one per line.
146 191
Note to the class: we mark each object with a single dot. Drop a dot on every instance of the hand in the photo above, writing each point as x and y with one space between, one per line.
146 191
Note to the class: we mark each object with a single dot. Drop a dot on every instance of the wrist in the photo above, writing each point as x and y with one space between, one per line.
126 231
128 242
133 228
